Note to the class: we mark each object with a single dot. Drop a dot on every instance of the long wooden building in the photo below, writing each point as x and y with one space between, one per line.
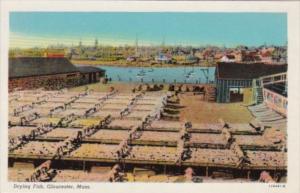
49 73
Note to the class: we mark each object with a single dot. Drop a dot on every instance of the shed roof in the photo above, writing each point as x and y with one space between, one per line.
89 69
247 71
38 66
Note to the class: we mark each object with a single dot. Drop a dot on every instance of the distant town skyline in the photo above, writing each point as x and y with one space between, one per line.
41 29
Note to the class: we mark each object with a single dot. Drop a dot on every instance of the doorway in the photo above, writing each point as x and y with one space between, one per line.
90 77
236 94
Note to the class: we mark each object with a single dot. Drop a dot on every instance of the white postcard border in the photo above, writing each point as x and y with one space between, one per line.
291 8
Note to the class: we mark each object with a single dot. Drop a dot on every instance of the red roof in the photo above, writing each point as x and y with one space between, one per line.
55 55
266 54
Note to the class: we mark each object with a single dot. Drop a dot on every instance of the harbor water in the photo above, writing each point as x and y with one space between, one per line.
160 74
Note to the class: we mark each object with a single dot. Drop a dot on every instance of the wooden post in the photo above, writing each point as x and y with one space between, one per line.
124 165
273 174
165 169
206 171
83 167
248 174
276 176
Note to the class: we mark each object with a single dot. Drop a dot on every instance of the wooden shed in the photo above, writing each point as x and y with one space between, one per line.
232 78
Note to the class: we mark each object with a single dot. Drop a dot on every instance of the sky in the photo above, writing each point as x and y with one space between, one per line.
41 29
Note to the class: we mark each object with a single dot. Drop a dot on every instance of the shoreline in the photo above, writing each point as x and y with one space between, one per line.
134 64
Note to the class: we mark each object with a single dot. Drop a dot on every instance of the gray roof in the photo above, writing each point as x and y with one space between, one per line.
89 69
38 66
247 71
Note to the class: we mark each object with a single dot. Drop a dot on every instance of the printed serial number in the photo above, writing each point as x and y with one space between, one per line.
277 185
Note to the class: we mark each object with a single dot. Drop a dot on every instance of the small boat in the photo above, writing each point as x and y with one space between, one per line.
191 72
187 76
151 70
140 74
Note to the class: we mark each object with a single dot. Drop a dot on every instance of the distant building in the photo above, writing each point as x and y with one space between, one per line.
54 53
266 57
75 56
49 73
250 56
228 58
238 56
191 59
164 58
92 58
232 78
131 59
218 56
208 55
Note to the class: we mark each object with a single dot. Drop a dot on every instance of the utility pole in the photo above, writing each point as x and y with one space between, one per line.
136 46
96 43
80 43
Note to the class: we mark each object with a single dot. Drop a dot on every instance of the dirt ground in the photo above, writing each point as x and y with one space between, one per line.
194 109
197 110
120 86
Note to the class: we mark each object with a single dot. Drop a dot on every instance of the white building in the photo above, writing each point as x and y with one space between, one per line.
228 58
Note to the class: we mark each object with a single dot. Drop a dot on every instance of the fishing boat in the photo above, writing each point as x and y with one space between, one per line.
190 74
141 73
151 70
